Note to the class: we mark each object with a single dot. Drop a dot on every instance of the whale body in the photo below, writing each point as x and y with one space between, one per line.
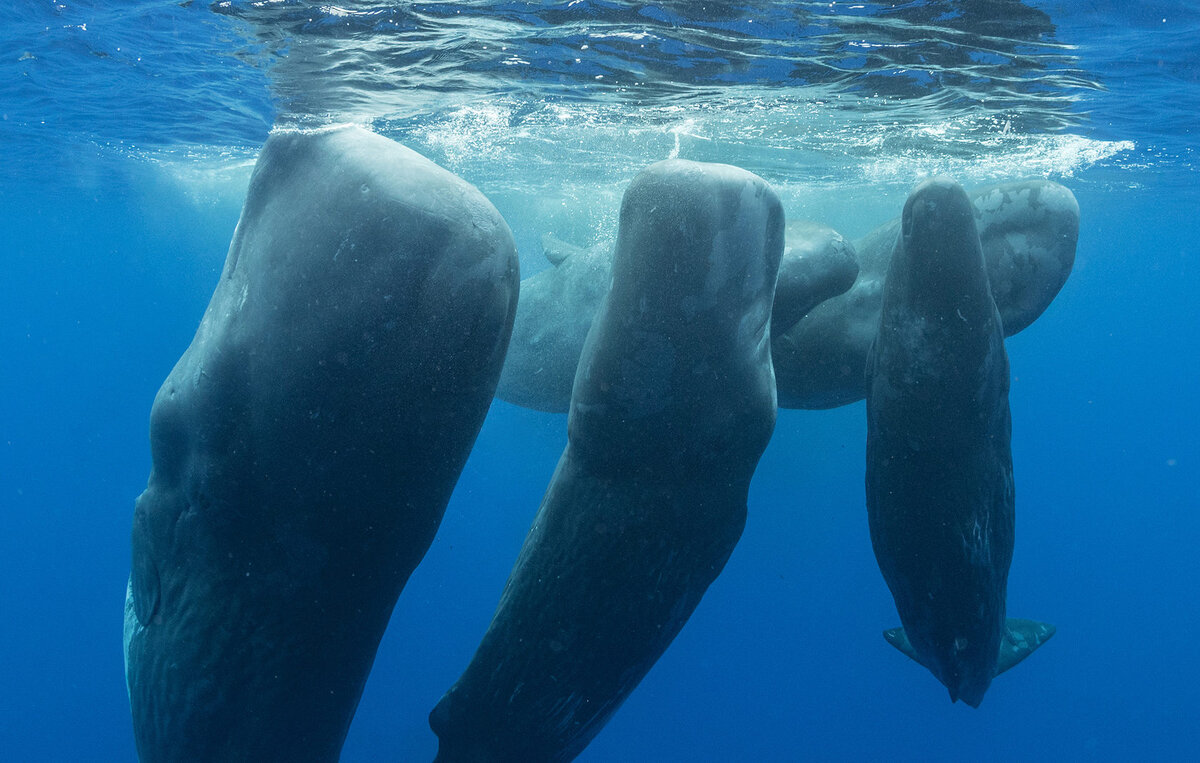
939 477
306 444
673 404
1027 231
558 304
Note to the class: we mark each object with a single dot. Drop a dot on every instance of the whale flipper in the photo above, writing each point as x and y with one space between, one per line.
556 250
899 639
1021 638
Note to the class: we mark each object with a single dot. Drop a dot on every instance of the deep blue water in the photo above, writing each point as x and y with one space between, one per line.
128 139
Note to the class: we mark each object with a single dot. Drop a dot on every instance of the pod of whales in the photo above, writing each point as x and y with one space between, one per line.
1028 232
306 444
673 403
939 478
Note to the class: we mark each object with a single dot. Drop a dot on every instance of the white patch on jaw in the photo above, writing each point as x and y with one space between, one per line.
132 627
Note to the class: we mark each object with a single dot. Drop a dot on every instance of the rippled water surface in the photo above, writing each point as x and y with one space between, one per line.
800 91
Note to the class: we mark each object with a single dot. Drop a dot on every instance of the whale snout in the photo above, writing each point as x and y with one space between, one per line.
937 206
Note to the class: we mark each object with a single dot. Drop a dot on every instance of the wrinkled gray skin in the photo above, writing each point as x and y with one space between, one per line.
1027 231
673 404
939 479
305 445
557 306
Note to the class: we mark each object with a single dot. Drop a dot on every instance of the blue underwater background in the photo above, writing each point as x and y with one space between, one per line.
129 130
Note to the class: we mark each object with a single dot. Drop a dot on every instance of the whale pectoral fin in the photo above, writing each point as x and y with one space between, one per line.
899 639
557 250
1020 638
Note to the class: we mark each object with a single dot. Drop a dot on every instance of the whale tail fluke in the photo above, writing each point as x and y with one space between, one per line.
1020 638
899 639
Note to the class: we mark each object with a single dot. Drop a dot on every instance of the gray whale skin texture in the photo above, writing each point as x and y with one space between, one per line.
826 318
673 404
305 445
939 480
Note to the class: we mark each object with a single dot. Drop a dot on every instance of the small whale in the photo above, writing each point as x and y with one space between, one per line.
939 478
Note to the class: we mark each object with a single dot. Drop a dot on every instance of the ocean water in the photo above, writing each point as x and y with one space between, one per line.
129 132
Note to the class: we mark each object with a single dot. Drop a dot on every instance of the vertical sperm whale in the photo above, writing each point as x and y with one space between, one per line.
939 480
306 444
672 406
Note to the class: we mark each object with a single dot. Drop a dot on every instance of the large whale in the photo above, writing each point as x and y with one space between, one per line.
1028 231
673 403
306 444
939 480
557 306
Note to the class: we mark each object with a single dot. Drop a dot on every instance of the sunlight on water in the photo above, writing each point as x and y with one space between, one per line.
547 97
785 140
562 167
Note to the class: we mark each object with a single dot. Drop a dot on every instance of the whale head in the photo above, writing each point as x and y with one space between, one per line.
939 254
